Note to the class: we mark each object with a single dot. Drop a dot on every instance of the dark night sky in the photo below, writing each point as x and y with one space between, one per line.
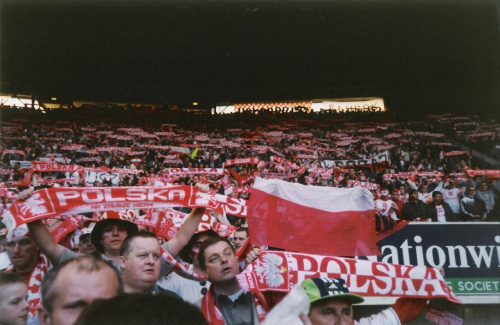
439 54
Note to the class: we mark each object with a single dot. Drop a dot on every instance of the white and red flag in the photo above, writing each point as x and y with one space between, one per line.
311 219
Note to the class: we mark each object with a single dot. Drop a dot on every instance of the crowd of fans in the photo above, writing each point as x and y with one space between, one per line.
414 169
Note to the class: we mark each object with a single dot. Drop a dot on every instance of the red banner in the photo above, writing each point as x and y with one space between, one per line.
280 271
51 202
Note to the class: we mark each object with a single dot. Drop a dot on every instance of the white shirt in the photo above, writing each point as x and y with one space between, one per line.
188 290
440 213
386 208
385 317
452 197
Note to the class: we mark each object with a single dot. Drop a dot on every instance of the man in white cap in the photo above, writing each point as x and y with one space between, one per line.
85 245
27 261
385 206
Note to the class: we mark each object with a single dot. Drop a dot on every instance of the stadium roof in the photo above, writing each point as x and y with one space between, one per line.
436 55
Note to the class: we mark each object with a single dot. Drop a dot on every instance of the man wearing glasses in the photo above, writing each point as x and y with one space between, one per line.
472 208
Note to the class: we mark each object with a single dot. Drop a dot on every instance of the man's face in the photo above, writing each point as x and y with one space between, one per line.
23 253
395 197
141 266
239 238
74 290
331 312
221 263
13 304
86 247
196 247
113 237
438 198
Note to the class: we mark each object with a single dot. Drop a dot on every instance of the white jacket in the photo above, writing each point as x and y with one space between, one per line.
385 317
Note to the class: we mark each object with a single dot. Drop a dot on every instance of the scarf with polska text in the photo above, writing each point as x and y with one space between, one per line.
34 283
280 271
214 316
51 202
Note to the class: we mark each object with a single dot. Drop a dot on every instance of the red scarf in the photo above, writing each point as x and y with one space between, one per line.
181 269
280 271
213 315
34 283
51 202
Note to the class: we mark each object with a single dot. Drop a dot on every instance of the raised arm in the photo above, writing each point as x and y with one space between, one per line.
188 228
41 234
43 238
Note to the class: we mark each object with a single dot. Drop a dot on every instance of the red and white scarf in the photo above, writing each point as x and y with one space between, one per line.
214 316
280 271
51 202
183 269
35 283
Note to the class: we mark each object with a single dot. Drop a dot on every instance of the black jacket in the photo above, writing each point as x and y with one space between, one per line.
448 212
412 211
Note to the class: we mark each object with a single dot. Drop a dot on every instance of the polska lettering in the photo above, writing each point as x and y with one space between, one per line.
280 271
47 203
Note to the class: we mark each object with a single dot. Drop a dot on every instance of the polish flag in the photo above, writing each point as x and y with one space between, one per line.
311 219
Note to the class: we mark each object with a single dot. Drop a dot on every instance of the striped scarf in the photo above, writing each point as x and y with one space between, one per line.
35 283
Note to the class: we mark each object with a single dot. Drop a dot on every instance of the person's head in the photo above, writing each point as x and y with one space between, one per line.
218 260
140 257
471 190
13 304
190 252
424 188
109 234
134 309
384 193
395 195
331 302
437 196
413 195
74 284
484 186
449 184
22 250
85 245
239 237
402 190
